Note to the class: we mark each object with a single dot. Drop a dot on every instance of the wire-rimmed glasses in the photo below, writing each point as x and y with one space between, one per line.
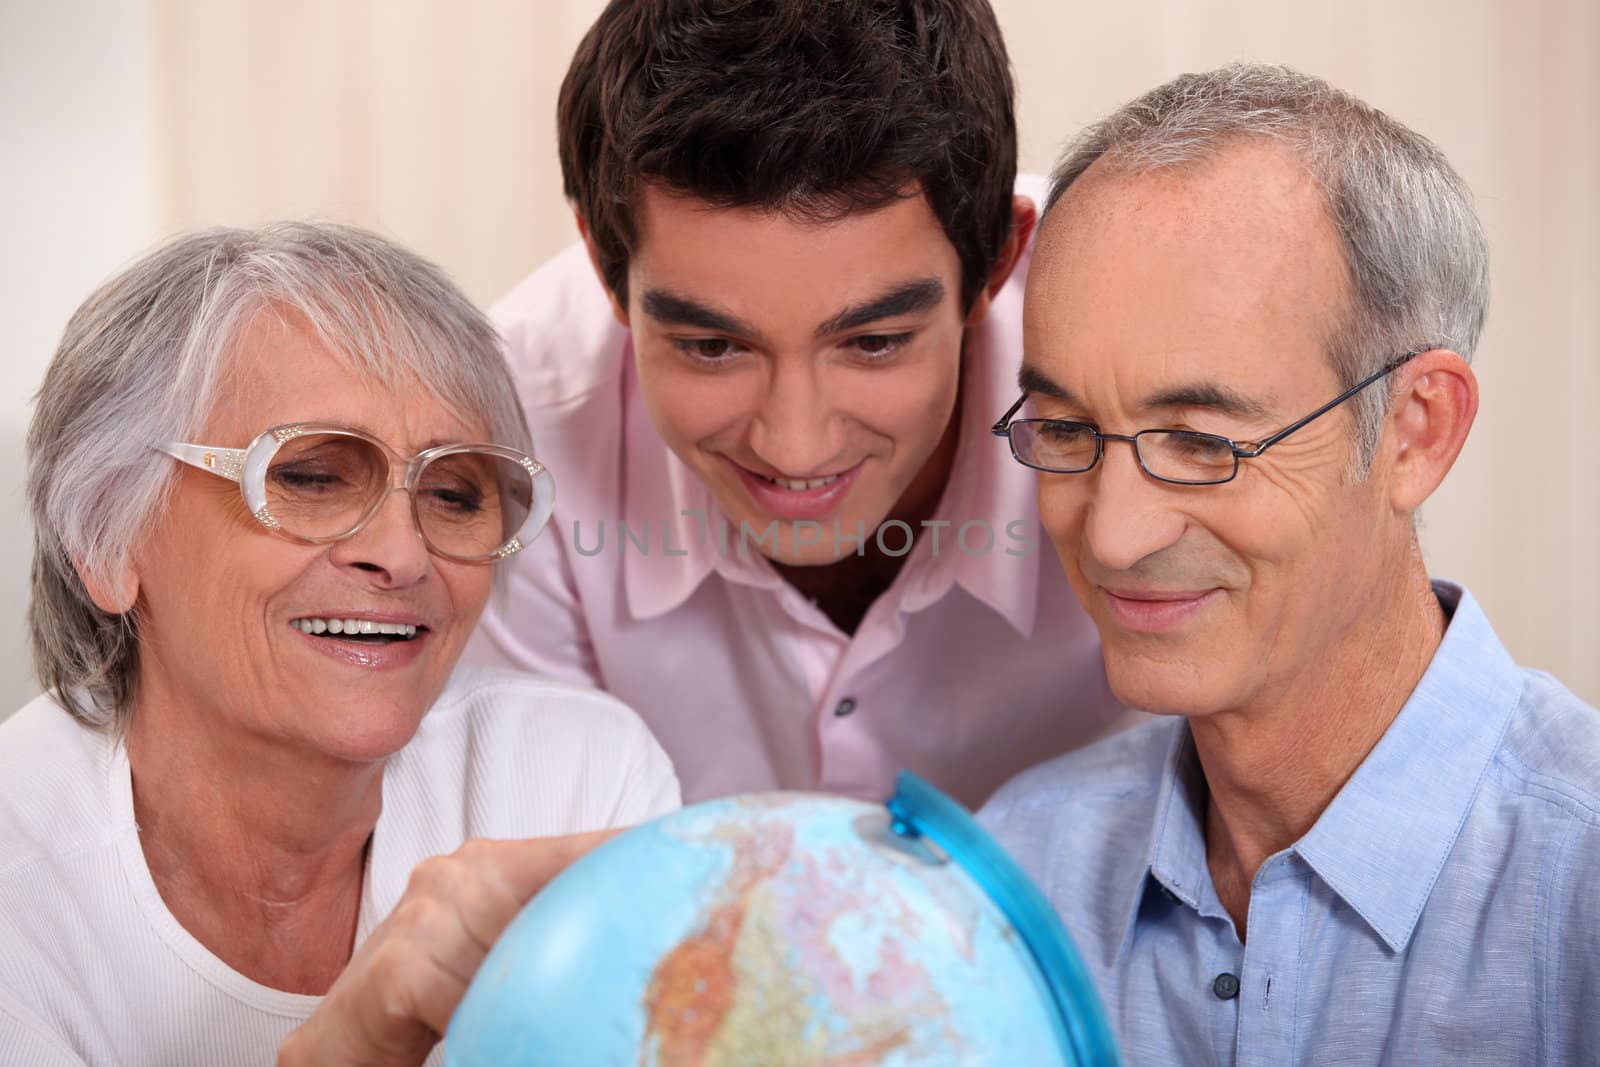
1181 457
316 484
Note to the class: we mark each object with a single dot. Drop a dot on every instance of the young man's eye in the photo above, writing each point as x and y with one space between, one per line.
709 349
879 345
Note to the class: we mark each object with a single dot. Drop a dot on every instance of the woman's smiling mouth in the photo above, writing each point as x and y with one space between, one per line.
364 631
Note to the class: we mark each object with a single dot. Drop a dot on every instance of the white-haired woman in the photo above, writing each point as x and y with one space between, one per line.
271 472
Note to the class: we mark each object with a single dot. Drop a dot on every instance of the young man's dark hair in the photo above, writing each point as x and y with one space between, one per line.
812 107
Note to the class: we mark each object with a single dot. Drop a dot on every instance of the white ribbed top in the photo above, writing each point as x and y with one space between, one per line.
95 970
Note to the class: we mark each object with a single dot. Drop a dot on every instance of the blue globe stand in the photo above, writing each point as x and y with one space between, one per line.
917 810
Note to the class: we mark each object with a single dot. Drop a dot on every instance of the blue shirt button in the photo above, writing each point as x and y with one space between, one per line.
1226 986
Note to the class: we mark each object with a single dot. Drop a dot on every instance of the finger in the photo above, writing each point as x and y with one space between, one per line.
528 865
438 933
420 993
471 885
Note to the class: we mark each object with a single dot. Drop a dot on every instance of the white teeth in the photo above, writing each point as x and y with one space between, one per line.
353 626
798 484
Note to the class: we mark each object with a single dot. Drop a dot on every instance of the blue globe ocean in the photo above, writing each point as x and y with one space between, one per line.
785 929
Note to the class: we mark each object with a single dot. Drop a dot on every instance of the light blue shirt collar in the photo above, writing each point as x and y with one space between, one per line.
1429 764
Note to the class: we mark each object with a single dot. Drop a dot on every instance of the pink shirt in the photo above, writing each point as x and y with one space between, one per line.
972 666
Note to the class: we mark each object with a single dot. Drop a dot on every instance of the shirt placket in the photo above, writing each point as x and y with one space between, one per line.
849 740
1268 976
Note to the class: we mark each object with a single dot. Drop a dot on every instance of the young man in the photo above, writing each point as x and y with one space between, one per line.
1359 833
764 382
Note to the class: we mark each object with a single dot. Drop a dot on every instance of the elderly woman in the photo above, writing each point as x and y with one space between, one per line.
271 474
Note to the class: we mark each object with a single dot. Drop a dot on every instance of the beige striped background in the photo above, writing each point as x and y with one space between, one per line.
433 121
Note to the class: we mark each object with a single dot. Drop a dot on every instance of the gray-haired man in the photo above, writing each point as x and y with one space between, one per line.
1362 834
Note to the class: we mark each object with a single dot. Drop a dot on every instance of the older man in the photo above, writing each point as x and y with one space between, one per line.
1363 834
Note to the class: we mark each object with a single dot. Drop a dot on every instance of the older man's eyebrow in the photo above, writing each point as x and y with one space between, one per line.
1209 396
908 298
671 309
1033 380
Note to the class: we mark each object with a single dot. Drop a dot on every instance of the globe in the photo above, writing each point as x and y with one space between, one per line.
785 929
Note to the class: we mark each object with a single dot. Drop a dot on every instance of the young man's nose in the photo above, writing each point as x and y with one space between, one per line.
796 429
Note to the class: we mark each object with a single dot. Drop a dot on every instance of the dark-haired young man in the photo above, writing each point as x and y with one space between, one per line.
765 381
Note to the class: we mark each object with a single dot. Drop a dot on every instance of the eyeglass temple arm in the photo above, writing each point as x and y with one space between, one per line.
1003 427
1390 368
224 462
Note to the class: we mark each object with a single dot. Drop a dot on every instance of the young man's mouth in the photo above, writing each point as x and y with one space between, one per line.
799 484
795 499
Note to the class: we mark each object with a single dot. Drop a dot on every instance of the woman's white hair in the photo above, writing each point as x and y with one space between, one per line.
1416 254
142 360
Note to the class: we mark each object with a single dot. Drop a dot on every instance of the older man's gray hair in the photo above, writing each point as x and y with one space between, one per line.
1418 261
142 361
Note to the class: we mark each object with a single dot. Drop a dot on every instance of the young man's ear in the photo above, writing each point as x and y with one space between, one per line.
112 593
617 310
1024 217
1435 402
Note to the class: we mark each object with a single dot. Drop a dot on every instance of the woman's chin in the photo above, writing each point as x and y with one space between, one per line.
374 733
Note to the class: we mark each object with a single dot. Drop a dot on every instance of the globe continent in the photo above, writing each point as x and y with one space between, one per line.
773 930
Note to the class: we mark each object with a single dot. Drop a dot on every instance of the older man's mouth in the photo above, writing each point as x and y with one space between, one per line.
1157 610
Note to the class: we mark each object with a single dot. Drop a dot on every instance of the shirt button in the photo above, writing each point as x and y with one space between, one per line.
845 707
1226 986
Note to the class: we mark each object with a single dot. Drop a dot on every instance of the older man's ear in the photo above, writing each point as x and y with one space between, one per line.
112 593
1435 401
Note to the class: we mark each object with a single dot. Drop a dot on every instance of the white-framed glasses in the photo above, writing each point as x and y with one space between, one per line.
316 484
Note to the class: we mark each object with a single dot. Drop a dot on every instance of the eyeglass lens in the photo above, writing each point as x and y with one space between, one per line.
1175 455
467 504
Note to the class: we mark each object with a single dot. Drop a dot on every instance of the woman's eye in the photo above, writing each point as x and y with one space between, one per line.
878 345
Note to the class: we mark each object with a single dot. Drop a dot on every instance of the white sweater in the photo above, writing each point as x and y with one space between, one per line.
95 970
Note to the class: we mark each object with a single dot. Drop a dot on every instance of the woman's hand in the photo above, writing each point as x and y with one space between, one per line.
393 1000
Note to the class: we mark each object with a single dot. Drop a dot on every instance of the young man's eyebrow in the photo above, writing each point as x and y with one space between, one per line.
908 298
674 310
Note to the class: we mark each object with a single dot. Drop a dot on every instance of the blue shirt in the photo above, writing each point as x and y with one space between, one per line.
1444 909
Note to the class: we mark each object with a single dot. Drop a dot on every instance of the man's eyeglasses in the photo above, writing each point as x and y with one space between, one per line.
1182 457
473 503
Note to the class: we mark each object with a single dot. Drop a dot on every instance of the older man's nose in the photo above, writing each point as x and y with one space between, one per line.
389 548
1129 515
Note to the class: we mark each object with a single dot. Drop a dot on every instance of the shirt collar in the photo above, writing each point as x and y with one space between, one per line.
986 485
1177 850
989 488
1428 765
680 515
